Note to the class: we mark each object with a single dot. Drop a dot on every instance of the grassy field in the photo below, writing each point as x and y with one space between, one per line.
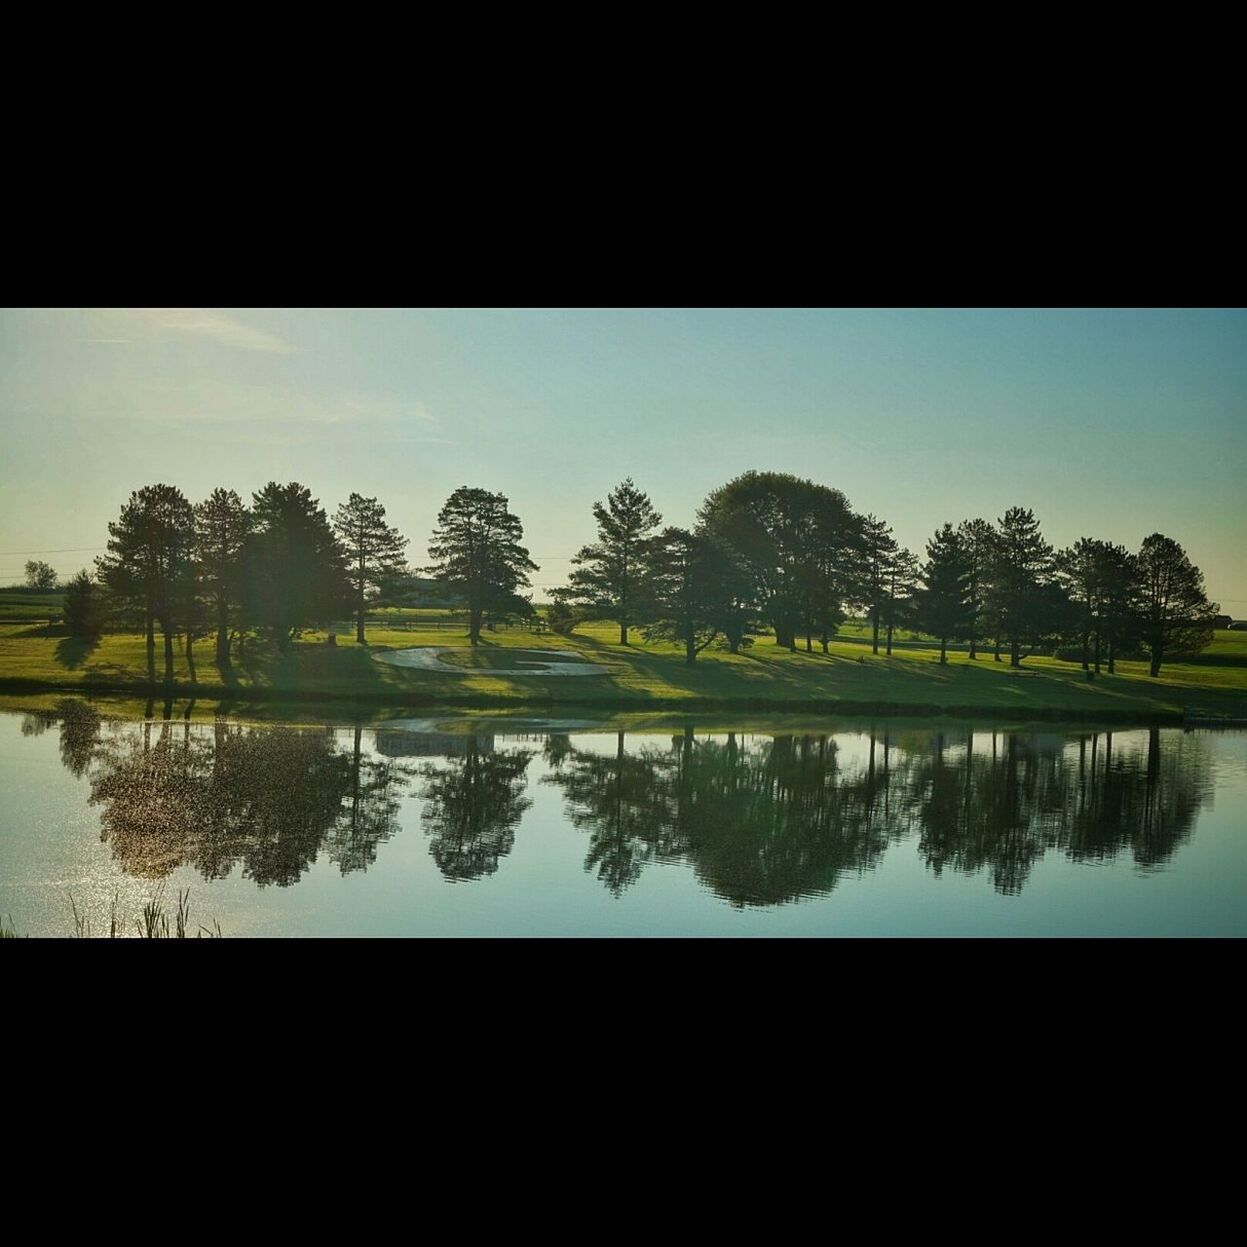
640 677
21 605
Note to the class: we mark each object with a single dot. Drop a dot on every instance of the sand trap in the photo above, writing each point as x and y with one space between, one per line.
525 661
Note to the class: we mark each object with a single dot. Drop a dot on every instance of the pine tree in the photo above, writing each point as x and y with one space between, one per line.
476 549
222 523
148 549
84 615
878 549
1021 600
374 550
294 568
607 578
978 540
941 605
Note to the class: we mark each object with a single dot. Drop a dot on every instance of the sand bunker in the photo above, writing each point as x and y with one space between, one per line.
518 661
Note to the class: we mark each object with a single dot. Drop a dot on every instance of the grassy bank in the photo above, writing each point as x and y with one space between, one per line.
640 677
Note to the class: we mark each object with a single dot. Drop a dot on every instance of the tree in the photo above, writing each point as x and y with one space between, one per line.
374 550
1021 600
40 575
696 589
1117 572
607 578
222 523
1078 570
791 535
901 586
148 549
1175 613
878 549
941 605
476 549
978 541
84 614
294 569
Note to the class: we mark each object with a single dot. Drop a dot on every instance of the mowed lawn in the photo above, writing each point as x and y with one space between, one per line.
639 676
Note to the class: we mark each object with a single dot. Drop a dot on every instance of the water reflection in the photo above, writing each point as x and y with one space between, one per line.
780 818
266 799
761 819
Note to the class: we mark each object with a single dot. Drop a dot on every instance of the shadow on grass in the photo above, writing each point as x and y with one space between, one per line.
73 651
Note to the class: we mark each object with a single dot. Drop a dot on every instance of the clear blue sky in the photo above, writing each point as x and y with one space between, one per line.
1112 424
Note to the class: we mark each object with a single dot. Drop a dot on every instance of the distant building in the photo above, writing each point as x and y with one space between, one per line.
1221 621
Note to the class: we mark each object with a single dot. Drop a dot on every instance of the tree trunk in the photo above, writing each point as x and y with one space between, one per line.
168 650
151 630
1014 646
997 649
944 650
623 635
359 617
474 625
973 652
222 631
1112 658
874 645
690 651
1086 651
889 646
809 640
1157 655
784 634
1097 652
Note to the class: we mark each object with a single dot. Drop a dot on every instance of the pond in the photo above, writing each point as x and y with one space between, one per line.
448 826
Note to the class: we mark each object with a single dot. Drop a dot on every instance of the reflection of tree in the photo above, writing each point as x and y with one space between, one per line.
80 733
267 799
616 801
779 819
473 805
759 825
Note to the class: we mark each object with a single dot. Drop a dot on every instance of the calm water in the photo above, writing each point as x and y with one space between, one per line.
424 828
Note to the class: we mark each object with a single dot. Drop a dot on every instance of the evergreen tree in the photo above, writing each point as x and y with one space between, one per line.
476 549
696 588
148 549
901 586
941 605
978 540
294 569
1175 613
1117 573
1021 600
222 523
878 549
607 578
84 615
374 550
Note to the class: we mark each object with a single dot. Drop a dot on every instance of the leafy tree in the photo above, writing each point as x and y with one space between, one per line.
696 589
84 612
374 550
978 540
941 605
148 549
222 523
294 569
791 536
1078 570
607 579
1024 608
476 549
1174 610
40 575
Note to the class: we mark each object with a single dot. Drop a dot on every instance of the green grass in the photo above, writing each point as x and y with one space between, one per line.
21 605
640 677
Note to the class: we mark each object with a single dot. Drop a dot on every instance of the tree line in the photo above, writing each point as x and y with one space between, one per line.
770 553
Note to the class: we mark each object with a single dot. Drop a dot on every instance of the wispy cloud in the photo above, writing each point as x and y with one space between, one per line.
114 341
218 328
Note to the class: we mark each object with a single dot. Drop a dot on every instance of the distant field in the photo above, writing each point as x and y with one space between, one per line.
18 605
638 677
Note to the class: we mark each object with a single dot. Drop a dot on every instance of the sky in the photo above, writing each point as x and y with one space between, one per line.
1106 423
